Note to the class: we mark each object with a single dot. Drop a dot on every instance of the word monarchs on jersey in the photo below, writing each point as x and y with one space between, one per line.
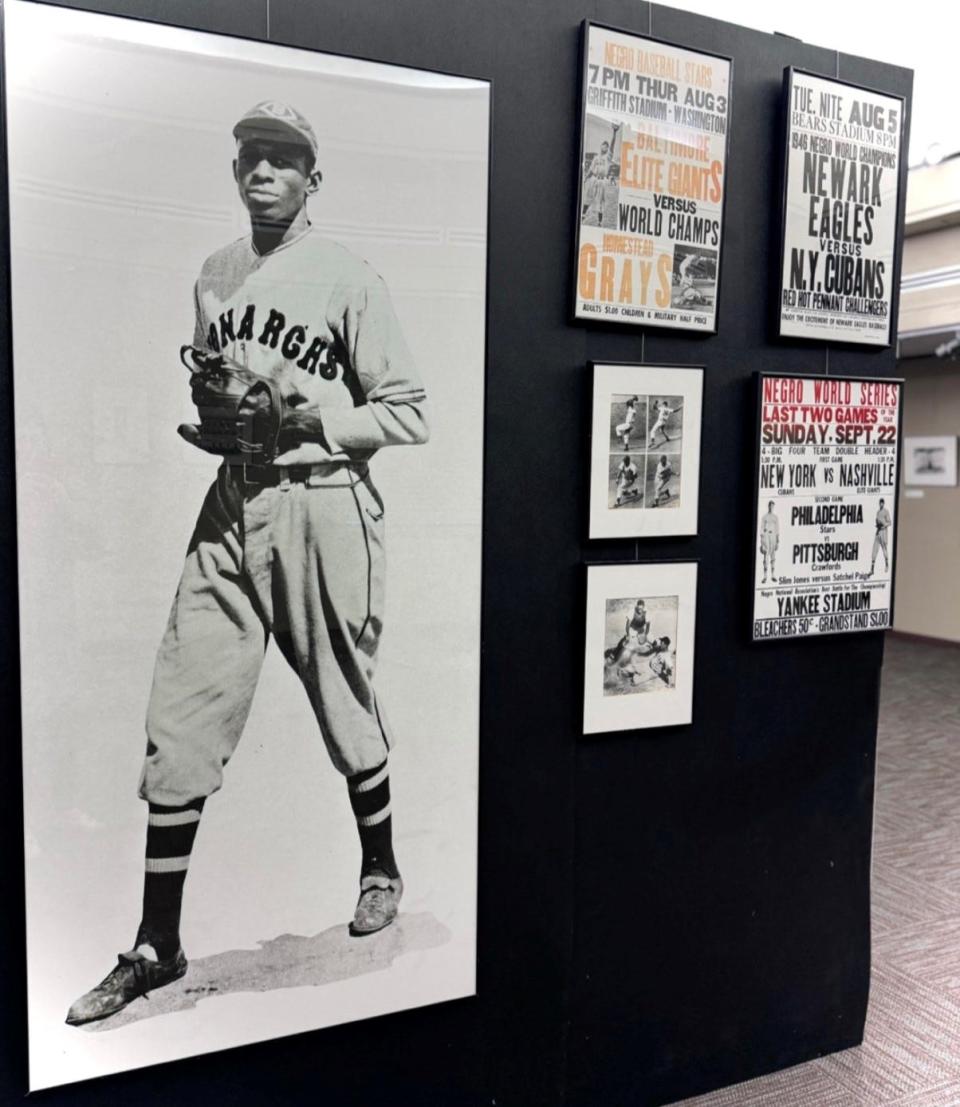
275 334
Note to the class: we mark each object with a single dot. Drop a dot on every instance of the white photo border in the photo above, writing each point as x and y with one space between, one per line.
669 707
610 378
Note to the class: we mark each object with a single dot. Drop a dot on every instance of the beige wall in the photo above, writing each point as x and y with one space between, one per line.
928 549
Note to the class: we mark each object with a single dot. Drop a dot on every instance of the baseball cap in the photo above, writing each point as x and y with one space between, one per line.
273 119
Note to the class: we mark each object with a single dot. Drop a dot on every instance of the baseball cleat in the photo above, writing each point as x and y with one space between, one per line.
134 976
378 903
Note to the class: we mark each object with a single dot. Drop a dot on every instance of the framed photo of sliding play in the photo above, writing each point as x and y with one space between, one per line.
639 645
844 188
651 190
825 514
645 450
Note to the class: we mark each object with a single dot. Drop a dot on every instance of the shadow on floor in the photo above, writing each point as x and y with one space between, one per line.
288 961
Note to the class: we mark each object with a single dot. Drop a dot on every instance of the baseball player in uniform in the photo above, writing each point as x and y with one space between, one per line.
627 476
292 550
662 478
769 541
625 429
664 411
688 292
883 523
593 185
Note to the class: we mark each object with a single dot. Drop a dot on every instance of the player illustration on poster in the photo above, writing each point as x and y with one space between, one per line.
269 857
645 450
883 524
639 645
694 277
769 541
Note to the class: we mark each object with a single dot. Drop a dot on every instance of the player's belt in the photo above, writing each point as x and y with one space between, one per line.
272 476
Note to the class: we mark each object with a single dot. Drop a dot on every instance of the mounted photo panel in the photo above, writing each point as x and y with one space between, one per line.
828 455
645 451
639 645
654 126
843 151
171 188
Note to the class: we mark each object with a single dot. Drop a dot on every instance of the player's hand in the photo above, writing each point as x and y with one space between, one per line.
190 432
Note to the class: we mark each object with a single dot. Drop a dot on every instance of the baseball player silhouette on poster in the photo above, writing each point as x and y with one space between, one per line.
883 522
288 546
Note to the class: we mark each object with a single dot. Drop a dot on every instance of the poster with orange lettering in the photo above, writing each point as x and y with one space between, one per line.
655 118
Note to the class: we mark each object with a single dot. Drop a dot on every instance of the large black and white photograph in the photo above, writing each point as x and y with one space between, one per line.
639 645
930 460
828 456
249 533
652 181
842 162
646 450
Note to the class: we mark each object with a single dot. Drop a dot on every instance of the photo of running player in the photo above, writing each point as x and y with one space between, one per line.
662 487
665 421
694 277
640 645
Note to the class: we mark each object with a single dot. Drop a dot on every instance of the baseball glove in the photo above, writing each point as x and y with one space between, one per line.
241 412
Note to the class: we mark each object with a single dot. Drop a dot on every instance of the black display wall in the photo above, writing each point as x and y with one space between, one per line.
661 912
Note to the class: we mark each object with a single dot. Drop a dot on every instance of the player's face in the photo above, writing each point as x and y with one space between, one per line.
274 180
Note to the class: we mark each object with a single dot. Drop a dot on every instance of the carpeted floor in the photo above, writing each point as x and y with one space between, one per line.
911 1051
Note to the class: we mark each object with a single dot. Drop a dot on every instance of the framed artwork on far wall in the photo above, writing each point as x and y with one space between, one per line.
930 460
639 645
645 450
652 181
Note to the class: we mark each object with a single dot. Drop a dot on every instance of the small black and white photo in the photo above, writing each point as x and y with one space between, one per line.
645 458
639 645
665 423
694 277
640 656
600 192
930 460
628 422
662 489
627 480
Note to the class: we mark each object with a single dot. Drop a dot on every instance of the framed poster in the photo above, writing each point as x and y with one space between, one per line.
841 207
639 645
828 455
930 460
645 451
243 211
654 128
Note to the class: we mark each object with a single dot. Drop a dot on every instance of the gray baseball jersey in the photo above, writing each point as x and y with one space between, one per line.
303 562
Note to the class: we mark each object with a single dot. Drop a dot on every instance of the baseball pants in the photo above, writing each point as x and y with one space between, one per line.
302 562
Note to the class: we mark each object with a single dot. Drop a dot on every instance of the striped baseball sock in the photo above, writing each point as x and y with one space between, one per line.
369 793
170 835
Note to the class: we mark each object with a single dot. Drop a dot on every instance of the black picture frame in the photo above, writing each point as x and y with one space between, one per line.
591 320
776 316
760 377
